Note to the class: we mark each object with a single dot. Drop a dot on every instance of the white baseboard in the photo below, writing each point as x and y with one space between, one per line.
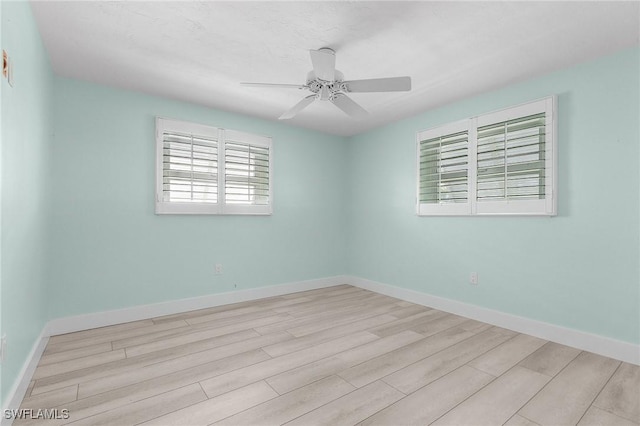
601 345
19 388
135 313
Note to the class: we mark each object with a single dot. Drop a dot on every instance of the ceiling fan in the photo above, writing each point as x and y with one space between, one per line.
328 84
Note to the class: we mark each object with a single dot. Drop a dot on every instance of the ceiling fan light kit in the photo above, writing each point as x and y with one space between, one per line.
328 84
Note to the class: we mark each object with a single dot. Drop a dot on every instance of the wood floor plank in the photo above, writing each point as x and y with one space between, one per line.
568 396
150 337
202 335
504 356
346 288
350 305
337 320
339 306
379 367
280 302
306 308
74 377
206 311
244 376
30 388
518 420
46 359
621 396
146 409
474 326
163 335
498 401
327 299
425 371
311 340
62 367
319 317
51 399
598 417
287 407
226 315
218 408
305 374
351 408
110 330
121 397
407 323
115 381
550 358
401 312
432 401
429 328
55 347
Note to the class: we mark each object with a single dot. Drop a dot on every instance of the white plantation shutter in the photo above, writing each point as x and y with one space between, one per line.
443 170
189 168
502 163
444 167
511 158
246 174
516 160
206 170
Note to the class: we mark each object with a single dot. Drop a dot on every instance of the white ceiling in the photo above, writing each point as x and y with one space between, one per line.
200 51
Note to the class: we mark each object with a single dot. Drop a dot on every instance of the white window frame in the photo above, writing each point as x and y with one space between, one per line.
542 207
221 135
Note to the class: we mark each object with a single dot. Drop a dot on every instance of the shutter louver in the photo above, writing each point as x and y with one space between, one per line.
444 169
511 159
246 173
189 168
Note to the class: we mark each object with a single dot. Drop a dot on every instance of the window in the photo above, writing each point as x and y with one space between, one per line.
207 170
498 163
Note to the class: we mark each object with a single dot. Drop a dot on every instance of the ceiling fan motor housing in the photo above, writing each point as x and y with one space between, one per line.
315 84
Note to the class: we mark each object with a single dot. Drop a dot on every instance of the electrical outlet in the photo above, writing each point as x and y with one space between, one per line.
473 278
218 268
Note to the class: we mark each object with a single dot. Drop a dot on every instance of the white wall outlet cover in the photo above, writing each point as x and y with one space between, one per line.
473 278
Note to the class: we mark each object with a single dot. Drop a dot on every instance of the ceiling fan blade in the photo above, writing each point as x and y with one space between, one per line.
347 105
298 107
391 84
324 63
275 85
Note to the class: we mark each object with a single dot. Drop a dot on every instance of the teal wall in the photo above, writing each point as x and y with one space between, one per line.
25 158
579 269
109 249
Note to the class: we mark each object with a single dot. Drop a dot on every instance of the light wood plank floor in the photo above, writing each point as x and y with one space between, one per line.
336 356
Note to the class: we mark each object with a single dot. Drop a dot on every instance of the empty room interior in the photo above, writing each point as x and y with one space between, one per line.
310 212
